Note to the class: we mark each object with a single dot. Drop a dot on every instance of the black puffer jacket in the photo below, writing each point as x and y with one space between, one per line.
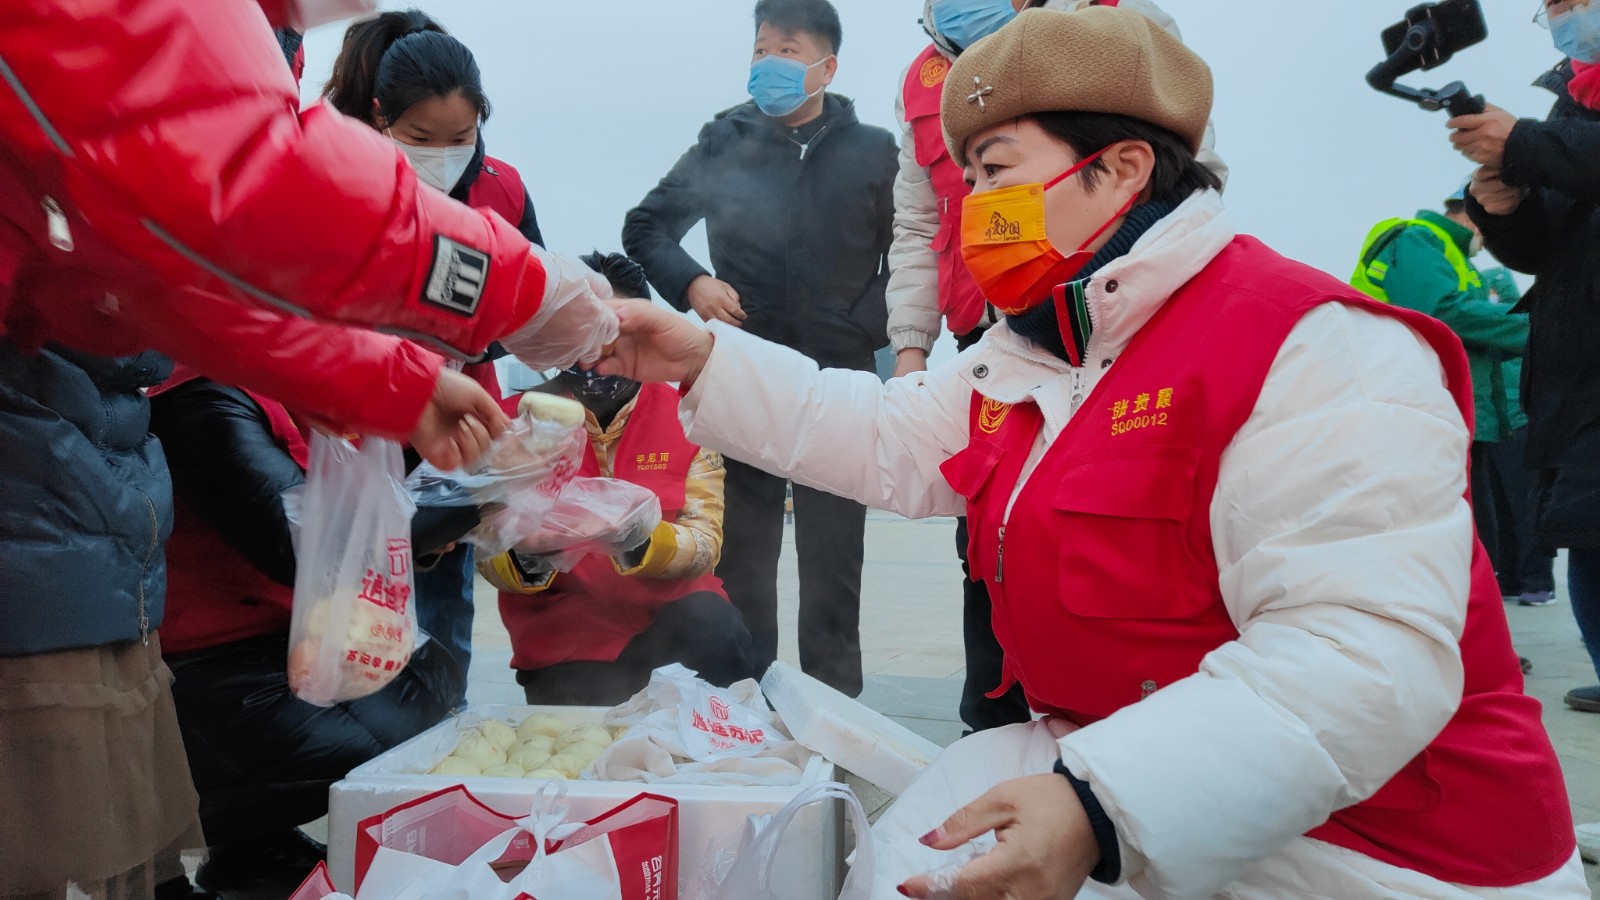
1555 236
85 504
802 233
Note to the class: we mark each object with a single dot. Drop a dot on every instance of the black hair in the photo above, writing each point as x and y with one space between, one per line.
401 59
627 277
1176 174
1455 207
814 17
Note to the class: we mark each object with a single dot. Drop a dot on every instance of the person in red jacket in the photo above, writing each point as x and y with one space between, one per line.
160 189
593 635
404 75
261 758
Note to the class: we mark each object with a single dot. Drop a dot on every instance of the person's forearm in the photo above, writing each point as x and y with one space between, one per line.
381 386
1557 155
311 213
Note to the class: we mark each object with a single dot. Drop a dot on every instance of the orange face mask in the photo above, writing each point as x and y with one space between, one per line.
1005 247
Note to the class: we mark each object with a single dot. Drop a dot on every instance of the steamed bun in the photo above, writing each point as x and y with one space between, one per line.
479 751
550 408
583 734
500 734
509 770
529 757
455 766
538 724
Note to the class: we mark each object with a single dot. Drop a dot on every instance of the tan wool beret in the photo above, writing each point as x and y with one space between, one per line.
1101 59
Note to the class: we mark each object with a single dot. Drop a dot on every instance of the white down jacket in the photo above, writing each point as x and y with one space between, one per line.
1349 604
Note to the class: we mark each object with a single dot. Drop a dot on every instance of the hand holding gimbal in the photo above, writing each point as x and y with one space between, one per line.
1428 37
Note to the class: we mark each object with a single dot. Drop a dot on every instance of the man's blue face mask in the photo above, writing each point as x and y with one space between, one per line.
966 22
1577 32
778 84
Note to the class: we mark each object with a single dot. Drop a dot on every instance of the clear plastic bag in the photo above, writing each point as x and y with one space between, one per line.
602 516
534 455
354 626
575 321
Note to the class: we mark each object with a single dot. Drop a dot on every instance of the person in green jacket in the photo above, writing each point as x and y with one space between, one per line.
1526 568
1424 263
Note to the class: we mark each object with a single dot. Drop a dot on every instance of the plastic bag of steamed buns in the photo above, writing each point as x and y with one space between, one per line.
354 626
544 745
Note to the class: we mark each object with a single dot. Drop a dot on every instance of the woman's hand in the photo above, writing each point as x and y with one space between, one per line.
1046 846
1482 137
655 345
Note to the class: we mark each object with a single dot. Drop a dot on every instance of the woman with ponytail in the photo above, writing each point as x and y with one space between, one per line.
404 75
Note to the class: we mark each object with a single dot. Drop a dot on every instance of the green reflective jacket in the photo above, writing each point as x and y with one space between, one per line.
1422 264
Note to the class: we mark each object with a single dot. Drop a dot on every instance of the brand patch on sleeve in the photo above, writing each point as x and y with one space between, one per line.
456 280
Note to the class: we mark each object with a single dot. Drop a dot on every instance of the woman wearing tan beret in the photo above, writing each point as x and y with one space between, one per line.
1219 499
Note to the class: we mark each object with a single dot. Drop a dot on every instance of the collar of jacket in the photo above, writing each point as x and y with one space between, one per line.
837 112
612 433
1006 367
1555 80
1461 234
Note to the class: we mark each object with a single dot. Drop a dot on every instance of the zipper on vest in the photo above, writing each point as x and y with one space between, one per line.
56 224
1000 558
1079 394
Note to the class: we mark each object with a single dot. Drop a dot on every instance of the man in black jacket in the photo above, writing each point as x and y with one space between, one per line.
1537 200
797 196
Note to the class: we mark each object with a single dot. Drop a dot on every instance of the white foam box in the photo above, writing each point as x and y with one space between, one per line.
711 818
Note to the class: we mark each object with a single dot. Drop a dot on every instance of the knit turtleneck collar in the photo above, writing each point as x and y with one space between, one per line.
1042 324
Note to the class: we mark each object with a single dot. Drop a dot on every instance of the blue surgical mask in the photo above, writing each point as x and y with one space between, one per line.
966 22
1577 32
778 84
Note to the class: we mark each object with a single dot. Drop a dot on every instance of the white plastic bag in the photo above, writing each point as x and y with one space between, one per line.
534 458
354 626
965 771
697 721
603 516
419 850
750 874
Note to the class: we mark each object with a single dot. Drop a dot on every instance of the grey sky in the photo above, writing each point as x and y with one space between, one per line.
594 101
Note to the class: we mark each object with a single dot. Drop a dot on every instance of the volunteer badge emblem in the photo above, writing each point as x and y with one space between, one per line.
992 415
456 279
934 70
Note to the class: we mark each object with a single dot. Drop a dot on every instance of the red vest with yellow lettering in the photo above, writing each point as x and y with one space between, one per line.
959 298
1105 582
592 612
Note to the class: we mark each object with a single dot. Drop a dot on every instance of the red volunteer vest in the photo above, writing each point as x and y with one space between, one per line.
1110 551
498 187
214 595
593 612
959 298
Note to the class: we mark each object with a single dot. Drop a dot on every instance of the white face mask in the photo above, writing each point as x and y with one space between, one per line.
1476 245
438 167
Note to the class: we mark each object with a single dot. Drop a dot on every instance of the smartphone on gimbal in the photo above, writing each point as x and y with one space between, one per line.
1428 36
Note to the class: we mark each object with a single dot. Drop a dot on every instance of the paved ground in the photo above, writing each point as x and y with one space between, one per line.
911 640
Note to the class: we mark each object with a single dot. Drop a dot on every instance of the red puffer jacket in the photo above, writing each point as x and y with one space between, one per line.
151 153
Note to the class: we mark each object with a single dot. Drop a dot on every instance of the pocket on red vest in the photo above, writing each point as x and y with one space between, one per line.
1123 521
